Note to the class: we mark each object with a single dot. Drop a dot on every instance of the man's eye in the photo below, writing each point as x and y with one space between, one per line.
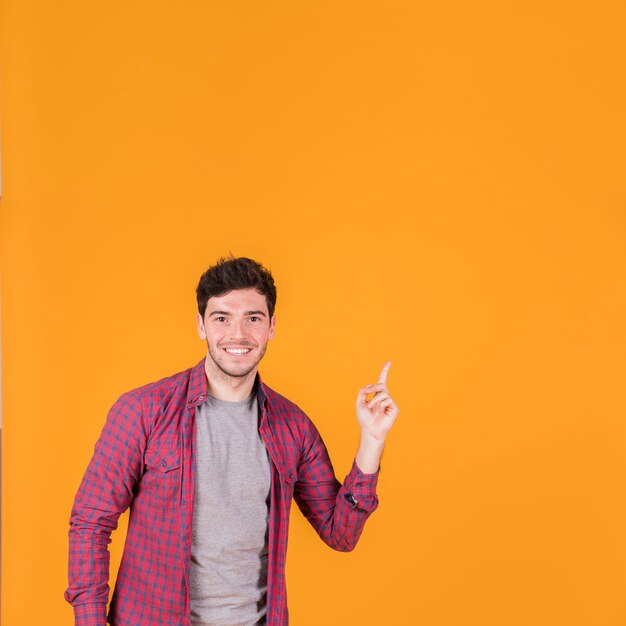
220 318
254 318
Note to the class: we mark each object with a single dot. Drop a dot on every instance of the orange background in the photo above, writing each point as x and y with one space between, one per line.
436 183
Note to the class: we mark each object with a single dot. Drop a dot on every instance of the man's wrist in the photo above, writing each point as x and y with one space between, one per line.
369 453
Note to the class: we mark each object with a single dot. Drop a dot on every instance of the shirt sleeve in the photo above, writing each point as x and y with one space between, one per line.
336 511
105 492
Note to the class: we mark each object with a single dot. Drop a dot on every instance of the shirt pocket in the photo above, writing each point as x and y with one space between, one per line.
163 460
161 479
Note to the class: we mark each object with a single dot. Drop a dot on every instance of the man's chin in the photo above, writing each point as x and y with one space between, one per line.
237 372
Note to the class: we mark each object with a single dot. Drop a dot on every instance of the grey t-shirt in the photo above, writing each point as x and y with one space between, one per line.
228 575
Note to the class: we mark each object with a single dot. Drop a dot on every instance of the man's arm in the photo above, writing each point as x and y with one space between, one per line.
106 491
339 512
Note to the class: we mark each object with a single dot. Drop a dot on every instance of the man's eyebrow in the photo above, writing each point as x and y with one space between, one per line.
259 312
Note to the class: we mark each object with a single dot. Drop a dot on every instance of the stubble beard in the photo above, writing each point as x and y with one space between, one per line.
218 358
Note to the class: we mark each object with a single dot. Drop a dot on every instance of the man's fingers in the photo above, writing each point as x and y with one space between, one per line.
382 379
379 389
377 398
361 398
375 388
388 402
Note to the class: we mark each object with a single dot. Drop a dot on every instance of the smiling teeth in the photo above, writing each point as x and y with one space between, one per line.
236 351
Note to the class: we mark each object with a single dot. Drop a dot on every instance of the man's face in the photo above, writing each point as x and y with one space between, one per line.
236 327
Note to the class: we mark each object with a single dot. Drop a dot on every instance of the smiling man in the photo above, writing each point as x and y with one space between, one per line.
209 460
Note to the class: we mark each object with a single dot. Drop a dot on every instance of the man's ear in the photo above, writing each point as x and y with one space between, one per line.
272 327
200 324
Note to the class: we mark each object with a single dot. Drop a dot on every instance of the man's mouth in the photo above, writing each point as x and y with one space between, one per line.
238 351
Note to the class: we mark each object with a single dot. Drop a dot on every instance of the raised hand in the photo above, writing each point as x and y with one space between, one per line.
376 416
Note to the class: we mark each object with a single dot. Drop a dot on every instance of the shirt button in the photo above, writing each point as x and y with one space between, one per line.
163 463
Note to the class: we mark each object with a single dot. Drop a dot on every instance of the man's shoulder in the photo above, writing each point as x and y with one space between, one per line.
160 391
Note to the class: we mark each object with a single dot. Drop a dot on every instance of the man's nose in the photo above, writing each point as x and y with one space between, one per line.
238 329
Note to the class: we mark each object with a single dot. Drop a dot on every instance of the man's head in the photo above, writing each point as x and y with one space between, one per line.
236 302
236 273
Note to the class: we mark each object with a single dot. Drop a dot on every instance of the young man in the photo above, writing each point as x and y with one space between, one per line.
208 460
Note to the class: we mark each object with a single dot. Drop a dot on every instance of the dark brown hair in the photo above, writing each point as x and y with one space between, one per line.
235 273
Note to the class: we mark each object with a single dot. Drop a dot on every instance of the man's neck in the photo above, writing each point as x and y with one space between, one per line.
229 388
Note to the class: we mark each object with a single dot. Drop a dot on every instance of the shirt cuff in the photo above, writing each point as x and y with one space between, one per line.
359 484
90 615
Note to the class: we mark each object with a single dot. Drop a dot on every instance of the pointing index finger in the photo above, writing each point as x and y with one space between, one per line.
382 379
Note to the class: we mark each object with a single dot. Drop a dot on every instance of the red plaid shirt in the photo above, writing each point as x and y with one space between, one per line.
145 459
